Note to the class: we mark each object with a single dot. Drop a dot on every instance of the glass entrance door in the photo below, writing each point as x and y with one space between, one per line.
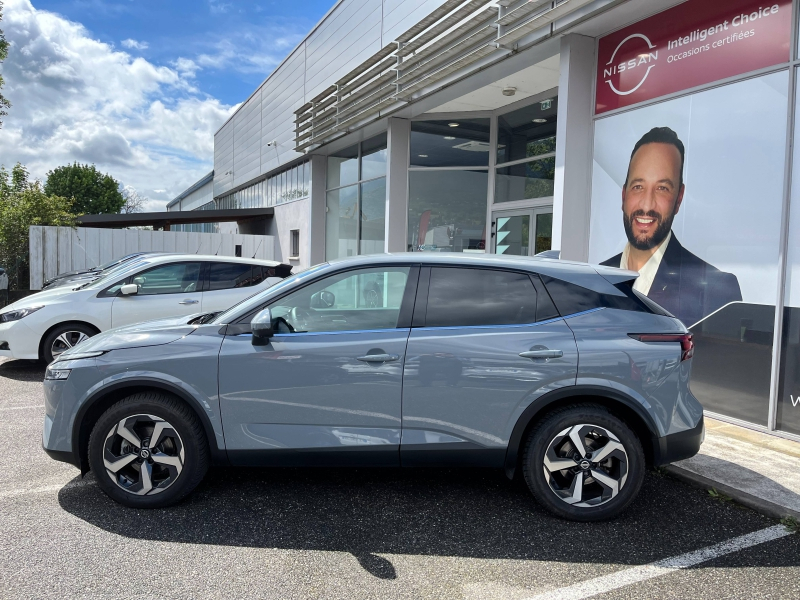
522 232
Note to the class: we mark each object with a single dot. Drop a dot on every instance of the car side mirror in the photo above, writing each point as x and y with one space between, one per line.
323 299
129 289
261 326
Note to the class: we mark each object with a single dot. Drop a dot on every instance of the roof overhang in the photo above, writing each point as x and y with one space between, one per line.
160 219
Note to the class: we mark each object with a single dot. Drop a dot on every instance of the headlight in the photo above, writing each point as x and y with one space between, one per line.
69 355
18 313
56 373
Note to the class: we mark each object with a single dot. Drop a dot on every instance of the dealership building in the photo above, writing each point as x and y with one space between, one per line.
508 127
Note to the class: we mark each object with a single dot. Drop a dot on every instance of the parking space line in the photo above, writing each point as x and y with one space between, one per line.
22 407
46 488
613 581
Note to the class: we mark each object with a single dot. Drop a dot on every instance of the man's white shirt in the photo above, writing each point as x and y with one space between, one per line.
648 272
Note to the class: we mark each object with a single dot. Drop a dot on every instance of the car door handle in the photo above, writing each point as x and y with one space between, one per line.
376 358
188 301
542 354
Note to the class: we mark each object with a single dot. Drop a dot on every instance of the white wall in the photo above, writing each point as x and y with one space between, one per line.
55 250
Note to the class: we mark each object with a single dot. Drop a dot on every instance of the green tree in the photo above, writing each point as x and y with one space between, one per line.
24 203
92 191
4 103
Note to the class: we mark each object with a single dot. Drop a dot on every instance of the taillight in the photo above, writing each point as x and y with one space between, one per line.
685 339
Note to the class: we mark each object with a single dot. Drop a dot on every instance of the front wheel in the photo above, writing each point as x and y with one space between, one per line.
148 451
63 338
583 464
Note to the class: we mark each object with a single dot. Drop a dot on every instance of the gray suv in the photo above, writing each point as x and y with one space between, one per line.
559 371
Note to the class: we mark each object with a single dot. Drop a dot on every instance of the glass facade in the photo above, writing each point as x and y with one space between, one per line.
355 221
289 185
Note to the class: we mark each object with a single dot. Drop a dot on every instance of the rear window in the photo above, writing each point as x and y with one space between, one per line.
570 298
469 297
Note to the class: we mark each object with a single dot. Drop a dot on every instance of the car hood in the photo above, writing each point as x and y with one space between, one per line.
151 333
44 297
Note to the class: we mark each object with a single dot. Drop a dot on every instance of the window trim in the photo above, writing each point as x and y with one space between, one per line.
202 278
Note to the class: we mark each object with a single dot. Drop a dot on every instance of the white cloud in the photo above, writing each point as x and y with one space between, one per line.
134 45
75 98
254 50
216 7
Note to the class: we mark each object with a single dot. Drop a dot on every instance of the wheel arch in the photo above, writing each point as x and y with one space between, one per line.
52 328
618 403
91 410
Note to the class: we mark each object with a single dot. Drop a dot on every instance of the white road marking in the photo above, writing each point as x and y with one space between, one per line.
613 581
46 488
22 407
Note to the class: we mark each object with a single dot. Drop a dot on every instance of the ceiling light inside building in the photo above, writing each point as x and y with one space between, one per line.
509 90
423 155
452 124
540 120
449 137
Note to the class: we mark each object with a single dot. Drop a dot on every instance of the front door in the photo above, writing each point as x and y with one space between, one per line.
170 290
329 381
523 232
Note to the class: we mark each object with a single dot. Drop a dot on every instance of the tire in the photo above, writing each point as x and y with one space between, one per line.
64 337
584 490
174 464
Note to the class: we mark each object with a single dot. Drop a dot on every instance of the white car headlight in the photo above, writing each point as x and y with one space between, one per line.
70 355
18 313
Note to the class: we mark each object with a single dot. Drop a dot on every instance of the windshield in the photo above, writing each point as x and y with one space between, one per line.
116 261
251 302
115 272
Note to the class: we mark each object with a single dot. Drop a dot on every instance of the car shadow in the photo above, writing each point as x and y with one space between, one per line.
463 513
22 370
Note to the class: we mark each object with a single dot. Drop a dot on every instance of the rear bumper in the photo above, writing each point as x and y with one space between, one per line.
681 445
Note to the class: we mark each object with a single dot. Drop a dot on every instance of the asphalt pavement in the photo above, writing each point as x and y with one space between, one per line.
361 533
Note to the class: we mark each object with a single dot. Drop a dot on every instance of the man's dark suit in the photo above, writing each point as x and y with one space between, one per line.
687 286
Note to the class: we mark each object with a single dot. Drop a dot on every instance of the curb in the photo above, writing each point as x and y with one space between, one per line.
765 507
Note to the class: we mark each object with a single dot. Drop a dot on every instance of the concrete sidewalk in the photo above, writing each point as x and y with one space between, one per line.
757 470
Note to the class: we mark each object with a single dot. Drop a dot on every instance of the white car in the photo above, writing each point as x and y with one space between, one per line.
43 325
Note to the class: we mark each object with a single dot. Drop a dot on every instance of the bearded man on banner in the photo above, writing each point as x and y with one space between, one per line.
684 284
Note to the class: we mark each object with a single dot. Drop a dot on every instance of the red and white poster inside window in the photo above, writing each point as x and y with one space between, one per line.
694 43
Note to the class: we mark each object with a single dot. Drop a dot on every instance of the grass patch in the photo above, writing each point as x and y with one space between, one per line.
719 496
791 523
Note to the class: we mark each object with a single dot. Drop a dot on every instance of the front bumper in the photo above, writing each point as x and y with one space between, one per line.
21 340
678 446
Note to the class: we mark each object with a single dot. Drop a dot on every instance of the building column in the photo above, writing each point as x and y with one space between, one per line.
574 137
315 246
398 141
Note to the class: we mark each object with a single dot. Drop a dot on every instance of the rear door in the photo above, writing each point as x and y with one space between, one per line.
229 283
170 290
485 343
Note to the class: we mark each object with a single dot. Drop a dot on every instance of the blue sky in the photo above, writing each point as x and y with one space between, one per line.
137 87
173 29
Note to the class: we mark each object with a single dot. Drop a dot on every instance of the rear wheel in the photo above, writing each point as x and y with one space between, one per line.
63 338
148 451
583 463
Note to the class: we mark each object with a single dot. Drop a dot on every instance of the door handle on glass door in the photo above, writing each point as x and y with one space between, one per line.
378 358
542 354
188 301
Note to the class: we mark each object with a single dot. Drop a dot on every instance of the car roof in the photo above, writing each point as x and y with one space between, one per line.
594 277
155 259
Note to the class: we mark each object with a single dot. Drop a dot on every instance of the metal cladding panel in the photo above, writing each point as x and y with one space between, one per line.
400 15
274 99
198 197
290 71
223 159
353 28
247 141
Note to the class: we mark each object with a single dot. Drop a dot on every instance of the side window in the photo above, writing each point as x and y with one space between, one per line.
470 297
350 301
226 276
571 298
169 279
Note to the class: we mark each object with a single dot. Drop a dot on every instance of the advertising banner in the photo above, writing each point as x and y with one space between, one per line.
689 193
694 43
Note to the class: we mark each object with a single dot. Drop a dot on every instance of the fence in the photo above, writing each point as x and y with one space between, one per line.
55 250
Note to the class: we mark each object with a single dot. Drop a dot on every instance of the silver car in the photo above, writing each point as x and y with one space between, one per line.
555 370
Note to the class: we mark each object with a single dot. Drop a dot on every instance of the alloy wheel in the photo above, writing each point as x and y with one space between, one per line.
65 341
143 455
585 465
